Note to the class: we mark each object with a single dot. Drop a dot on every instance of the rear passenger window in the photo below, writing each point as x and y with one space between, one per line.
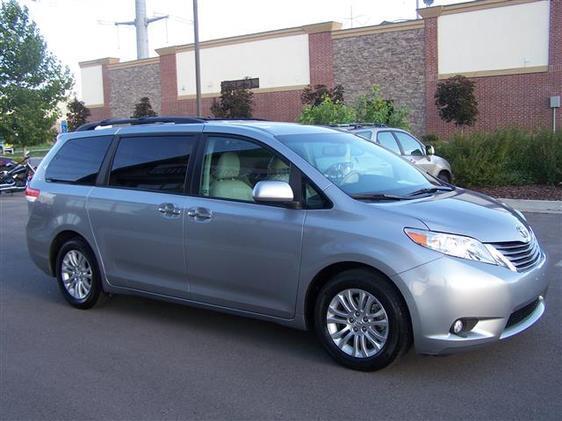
78 161
365 134
156 163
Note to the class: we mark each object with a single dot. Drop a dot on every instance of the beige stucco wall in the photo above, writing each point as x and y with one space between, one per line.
277 62
510 37
92 85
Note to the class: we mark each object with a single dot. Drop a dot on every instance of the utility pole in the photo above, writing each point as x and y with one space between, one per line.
141 23
197 63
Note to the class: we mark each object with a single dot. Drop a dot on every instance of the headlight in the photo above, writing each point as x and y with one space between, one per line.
454 245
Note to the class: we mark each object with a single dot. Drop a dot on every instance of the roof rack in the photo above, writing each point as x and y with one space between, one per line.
141 120
358 125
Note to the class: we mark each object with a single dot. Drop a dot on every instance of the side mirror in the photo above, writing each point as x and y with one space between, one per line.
273 191
429 149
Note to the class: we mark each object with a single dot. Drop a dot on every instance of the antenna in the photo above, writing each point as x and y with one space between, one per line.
141 23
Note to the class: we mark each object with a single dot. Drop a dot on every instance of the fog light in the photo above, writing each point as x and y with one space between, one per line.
458 326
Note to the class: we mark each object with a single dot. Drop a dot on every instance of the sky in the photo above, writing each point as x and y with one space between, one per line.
79 30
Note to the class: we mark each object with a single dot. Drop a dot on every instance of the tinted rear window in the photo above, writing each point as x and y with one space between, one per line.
152 163
78 161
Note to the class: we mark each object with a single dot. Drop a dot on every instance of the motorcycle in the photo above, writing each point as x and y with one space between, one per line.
16 176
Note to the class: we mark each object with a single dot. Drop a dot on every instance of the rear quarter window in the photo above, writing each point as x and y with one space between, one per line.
78 161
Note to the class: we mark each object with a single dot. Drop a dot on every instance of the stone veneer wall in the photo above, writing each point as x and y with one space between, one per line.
130 84
394 60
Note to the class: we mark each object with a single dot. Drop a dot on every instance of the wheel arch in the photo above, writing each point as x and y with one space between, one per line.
328 272
60 239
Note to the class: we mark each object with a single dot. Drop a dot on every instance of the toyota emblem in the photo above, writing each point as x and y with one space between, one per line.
524 233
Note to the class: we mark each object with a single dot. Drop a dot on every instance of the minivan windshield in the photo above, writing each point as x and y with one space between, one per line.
360 168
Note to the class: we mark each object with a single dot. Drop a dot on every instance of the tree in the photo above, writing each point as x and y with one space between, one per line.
373 108
144 109
327 112
315 96
456 102
32 80
235 102
77 114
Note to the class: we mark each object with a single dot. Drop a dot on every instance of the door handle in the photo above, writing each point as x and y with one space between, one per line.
169 209
199 213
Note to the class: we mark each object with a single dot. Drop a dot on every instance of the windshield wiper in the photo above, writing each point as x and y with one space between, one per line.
378 196
430 190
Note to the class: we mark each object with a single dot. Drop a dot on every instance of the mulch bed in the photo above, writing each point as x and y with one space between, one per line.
533 192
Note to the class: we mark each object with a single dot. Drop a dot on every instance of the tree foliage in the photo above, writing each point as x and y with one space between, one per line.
315 96
456 102
235 102
144 109
373 108
32 80
77 114
327 112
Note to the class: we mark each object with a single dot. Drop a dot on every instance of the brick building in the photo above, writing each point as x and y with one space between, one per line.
512 49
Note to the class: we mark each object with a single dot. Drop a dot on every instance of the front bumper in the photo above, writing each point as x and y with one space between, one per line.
503 302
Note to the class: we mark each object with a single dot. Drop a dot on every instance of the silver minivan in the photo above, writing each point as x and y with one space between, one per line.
305 226
409 147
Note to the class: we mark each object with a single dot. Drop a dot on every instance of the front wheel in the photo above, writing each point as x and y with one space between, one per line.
362 321
444 176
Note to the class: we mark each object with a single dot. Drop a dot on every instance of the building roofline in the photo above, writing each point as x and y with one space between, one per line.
238 39
380 28
470 6
99 61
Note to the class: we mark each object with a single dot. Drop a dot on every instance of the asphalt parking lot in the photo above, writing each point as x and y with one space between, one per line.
139 359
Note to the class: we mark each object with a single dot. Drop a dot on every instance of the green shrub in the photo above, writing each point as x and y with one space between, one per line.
373 108
504 157
430 139
327 112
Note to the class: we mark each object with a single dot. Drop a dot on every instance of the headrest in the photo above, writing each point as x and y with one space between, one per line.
278 170
228 166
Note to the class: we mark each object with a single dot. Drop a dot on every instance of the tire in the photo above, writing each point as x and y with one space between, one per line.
444 176
397 333
76 251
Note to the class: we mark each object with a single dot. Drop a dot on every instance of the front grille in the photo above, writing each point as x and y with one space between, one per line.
522 255
521 314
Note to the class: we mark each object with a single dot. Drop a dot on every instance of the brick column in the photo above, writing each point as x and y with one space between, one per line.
321 54
168 84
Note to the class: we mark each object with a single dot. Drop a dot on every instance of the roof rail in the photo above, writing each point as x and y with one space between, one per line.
141 120
358 125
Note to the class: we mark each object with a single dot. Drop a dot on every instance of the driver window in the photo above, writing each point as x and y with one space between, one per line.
410 146
232 167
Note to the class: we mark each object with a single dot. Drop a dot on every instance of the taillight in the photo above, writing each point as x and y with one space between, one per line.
31 194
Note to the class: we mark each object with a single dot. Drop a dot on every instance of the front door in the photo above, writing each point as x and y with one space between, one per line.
137 218
242 254
414 151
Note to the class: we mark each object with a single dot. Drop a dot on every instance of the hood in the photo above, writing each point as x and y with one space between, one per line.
465 213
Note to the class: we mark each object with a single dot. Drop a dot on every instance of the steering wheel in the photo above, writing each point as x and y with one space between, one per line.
340 172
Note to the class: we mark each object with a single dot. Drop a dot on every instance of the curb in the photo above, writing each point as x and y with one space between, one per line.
535 206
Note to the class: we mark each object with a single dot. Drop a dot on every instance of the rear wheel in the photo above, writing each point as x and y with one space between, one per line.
78 275
361 320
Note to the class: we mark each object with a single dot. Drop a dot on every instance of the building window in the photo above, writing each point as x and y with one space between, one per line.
246 83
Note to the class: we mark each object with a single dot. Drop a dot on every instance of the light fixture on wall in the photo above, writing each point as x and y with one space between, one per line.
554 104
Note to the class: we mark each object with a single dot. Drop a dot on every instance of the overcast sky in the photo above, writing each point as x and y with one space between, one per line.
78 30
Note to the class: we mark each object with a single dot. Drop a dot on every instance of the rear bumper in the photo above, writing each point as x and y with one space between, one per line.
504 303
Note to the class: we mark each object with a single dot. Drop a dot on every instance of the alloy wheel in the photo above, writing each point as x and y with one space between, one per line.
76 274
357 323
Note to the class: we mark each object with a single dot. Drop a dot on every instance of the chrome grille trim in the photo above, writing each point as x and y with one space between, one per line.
522 255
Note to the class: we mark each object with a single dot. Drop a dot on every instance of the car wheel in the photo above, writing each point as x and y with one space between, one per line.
78 275
444 176
362 321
